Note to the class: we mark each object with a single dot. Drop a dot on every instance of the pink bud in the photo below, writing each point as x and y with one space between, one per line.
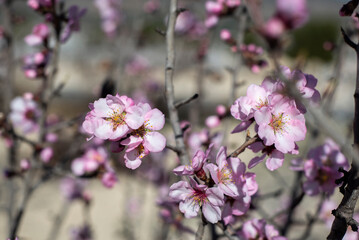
274 28
221 110
24 165
213 121
46 154
51 137
226 35
109 179
211 21
214 7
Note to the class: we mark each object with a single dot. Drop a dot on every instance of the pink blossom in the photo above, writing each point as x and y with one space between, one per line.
39 34
225 35
211 21
326 212
193 196
89 162
46 154
273 28
109 179
256 98
294 13
275 158
73 22
282 124
221 110
34 64
25 165
24 113
185 22
151 6
222 174
72 188
321 168
246 187
137 65
259 229
112 117
110 15
195 165
212 121
145 139
213 7
40 5
51 137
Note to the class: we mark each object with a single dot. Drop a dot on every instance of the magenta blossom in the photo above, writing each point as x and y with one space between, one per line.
112 117
39 35
109 179
89 162
194 196
259 229
321 168
25 113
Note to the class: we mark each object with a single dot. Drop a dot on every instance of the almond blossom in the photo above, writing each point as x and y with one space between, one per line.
25 113
259 229
112 117
222 174
193 196
282 124
73 22
321 168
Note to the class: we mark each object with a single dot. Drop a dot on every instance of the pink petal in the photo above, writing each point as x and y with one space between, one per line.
180 190
101 109
256 160
189 208
275 160
155 119
154 142
211 213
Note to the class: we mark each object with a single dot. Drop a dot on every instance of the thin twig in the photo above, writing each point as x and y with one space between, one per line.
244 146
184 102
170 61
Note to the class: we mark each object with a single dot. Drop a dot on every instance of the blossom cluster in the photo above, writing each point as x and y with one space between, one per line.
279 120
111 15
321 168
259 229
219 8
289 15
222 190
250 53
126 124
64 24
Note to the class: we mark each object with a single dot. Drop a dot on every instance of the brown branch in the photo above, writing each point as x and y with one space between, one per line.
244 146
344 213
170 61
184 102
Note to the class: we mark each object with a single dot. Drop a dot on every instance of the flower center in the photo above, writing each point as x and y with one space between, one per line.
198 197
30 115
117 119
225 175
278 123
261 103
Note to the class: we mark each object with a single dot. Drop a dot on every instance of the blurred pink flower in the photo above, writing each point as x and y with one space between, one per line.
25 113
259 229
109 179
39 34
46 154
